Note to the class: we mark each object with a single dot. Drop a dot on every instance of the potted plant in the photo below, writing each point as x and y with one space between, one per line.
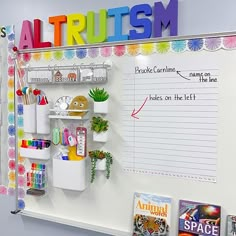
99 126
100 98
100 160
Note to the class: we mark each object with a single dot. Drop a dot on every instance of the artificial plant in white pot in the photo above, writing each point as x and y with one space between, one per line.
99 126
100 98
100 160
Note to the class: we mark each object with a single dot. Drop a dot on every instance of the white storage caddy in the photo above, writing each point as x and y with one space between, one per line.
38 154
69 174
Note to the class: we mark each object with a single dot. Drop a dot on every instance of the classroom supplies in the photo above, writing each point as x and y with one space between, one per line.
27 95
72 140
35 143
66 136
72 155
81 134
64 152
56 136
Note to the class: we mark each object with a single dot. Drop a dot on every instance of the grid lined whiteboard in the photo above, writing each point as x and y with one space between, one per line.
170 116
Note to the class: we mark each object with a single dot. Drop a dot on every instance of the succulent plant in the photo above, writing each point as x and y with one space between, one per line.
98 95
98 124
96 155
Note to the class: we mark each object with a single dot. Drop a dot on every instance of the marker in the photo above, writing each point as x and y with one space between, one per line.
40 145
24 143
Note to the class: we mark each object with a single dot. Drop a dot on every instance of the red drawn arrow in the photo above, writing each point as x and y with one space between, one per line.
134 113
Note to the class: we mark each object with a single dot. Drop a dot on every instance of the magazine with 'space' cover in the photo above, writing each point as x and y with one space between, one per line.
199 219
151 215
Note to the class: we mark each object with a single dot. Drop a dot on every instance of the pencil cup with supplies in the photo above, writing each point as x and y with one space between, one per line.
35 111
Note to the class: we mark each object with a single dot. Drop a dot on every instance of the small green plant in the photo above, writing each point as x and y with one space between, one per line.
98 95
98 124
96 155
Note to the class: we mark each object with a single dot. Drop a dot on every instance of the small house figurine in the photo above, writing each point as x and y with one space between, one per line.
58 76
72 76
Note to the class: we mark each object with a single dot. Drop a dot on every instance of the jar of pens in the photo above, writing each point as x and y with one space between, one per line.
35 110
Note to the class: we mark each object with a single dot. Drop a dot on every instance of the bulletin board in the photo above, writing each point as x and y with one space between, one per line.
171 128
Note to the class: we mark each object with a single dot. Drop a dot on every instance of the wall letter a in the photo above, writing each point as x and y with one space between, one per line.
26 36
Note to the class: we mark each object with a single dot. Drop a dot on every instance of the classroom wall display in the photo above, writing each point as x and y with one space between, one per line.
7 113
170 121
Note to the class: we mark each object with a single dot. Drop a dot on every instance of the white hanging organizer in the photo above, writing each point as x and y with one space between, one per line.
71 74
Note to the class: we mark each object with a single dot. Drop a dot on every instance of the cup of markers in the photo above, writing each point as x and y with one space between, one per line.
38 149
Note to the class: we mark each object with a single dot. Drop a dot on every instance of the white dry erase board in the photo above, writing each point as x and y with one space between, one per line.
172 128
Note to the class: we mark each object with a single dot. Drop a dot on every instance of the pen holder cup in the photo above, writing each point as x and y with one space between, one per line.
69 174
29 116
43 121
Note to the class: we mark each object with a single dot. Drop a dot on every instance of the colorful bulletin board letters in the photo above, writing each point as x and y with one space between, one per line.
149 20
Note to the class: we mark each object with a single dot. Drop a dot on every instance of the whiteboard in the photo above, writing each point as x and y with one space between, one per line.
107 205
173 131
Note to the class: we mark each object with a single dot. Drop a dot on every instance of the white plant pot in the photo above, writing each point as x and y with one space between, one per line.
101 107
101 164
100 137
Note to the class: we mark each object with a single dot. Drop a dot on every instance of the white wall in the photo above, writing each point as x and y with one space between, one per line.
195 17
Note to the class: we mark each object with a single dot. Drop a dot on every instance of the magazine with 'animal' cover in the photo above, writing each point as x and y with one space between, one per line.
151 215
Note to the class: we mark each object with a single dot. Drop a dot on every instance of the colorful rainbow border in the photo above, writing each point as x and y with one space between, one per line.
10 189
208 44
